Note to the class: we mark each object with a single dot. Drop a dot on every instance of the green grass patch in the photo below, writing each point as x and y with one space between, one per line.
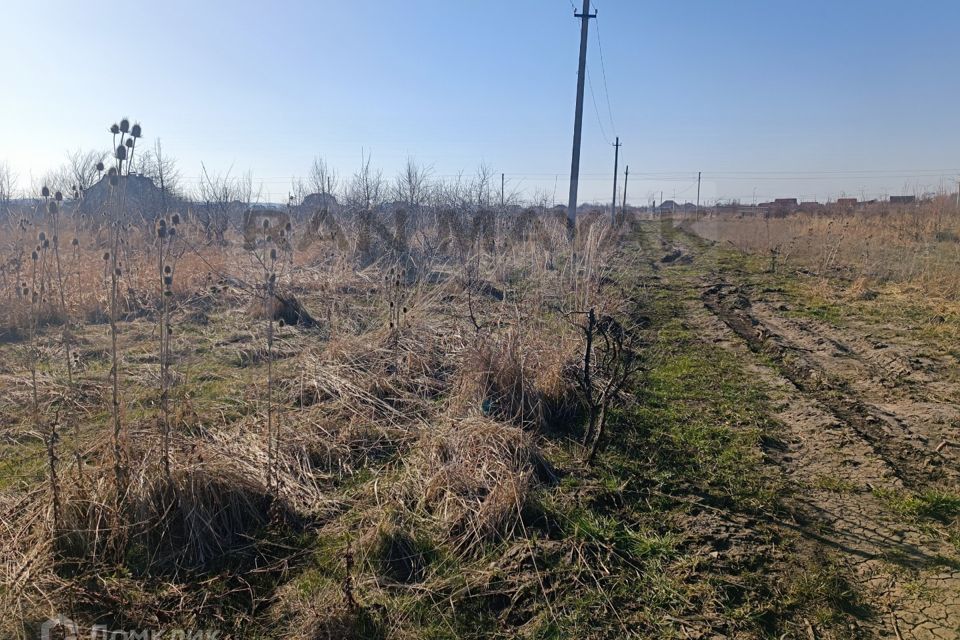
929 505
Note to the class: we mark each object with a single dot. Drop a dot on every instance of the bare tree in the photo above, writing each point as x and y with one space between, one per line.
366 187
7 184
55 180
298 191
455 194
412 184
609 365
324 178
81 171
162 169
483 186
220 195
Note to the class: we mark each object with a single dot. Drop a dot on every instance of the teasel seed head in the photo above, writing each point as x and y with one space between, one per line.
121 152
175 219
45 191
34 255
124 125
106 255
168 281
167 270
58 196
41 236
52 207
75 242
273 254
99 166
129 143
114 128
266 224
118 271
136 131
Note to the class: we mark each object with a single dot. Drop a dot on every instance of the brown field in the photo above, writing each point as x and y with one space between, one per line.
882 244
386 425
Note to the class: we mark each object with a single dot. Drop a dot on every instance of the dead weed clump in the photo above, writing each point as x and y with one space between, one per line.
212 502
527 382
392 375
474 476
191 520
211 514
339 444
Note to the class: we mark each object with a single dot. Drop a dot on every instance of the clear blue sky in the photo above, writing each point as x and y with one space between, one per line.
807 88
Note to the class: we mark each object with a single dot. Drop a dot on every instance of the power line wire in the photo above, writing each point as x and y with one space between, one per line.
595 109
603 70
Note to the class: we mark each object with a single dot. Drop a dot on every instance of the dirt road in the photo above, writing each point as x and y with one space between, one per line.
869 439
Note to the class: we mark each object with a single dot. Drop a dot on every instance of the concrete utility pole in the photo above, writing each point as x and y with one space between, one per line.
578 120
613 202
698 194
501 191
626 176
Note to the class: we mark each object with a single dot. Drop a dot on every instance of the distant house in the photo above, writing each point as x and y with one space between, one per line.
669 206
809 206
137 195
320 201
847 203
783 206
903 199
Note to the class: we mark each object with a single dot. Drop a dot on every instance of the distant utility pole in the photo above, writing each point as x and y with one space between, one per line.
501 191
626 176
698 194
578 119
613 202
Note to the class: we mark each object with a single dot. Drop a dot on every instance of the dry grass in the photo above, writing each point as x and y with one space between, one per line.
915 245
432 389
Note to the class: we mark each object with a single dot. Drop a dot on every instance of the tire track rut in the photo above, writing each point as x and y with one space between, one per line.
851 436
